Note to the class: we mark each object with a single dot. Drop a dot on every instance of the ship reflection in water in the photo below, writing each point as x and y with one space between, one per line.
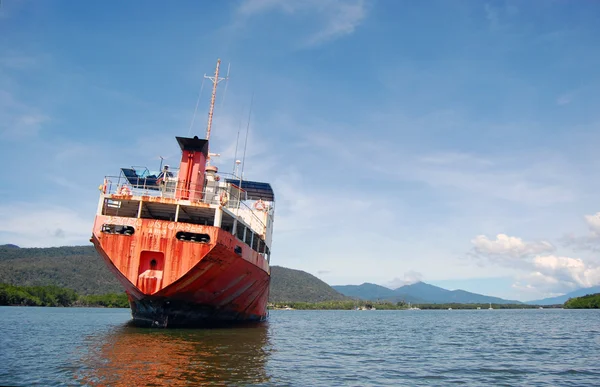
129 356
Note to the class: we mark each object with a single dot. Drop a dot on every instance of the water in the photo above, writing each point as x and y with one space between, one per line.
80 346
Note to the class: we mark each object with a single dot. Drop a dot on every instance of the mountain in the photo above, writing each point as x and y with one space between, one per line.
437 295
366 291
562 299
80 268
9 246
419 292
373 292
289 285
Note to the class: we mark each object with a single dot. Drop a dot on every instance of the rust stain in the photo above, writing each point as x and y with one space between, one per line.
199 272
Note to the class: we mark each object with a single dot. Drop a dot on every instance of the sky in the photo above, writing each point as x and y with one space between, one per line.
454 143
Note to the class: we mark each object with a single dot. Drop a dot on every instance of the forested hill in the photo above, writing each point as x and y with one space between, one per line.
75 267
288 285
590 301
80 268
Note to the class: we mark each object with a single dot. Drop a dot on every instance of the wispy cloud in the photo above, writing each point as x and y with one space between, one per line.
526 180
41 225
591 241
334 18
565 98
499 17
17 119
19 62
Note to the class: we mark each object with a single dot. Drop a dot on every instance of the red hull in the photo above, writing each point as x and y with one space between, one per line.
174 282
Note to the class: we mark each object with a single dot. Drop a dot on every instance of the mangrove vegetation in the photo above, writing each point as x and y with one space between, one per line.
56 296
590 301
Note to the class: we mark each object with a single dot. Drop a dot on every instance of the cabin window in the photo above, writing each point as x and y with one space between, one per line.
240 231
159 211
117 229
123 208
238 250
192 237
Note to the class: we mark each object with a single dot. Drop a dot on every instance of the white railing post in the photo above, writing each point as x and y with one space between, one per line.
218 217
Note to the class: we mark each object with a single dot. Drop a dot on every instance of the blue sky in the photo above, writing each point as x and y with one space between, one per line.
450 142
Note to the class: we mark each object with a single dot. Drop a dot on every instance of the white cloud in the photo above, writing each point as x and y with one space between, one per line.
335 18
343 18
538 285
568 270
410 277
547 274
593 222
251 7
505 246
591 241
554 275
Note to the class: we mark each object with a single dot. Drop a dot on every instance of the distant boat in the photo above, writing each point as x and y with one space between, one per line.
490 308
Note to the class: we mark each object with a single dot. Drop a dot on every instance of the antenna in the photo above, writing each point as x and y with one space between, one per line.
226 84
237 141
237 165
246 140
196 108
215 80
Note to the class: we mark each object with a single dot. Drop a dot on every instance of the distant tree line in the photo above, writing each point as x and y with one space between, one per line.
382 305
338 305
57 296
591 301
483 306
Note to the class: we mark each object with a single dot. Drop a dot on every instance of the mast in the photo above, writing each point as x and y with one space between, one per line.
215 80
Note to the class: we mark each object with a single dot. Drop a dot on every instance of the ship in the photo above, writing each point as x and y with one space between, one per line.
190 245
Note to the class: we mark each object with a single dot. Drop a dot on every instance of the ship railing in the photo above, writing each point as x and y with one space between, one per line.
229 196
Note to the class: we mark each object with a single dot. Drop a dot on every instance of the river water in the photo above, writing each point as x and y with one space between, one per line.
97 347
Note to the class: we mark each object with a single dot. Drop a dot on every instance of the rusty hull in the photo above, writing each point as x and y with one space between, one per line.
171 282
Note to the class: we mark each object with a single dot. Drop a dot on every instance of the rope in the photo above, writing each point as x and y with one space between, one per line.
196 109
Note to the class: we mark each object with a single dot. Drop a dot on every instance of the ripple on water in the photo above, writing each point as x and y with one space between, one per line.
54 346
